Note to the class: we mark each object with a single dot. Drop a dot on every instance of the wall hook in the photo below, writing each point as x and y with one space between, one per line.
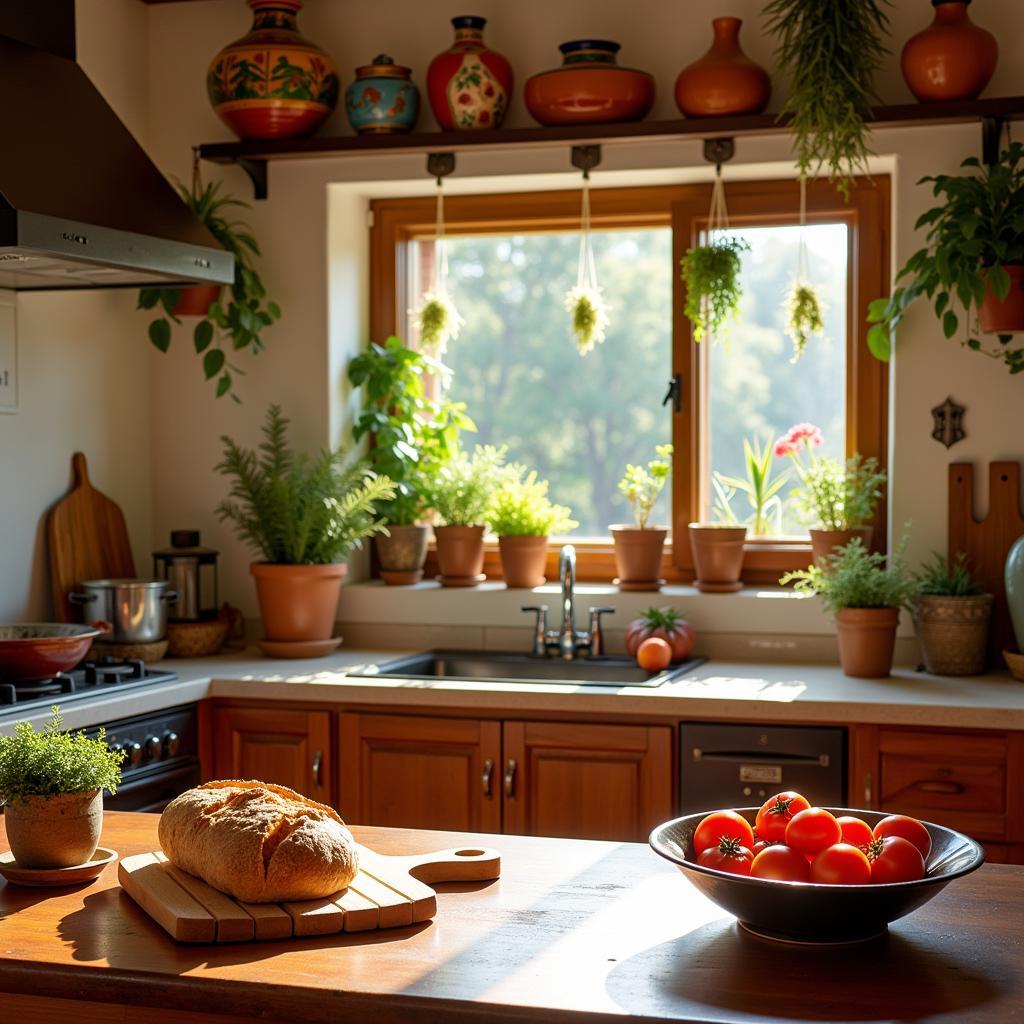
586 158
440 165
719 151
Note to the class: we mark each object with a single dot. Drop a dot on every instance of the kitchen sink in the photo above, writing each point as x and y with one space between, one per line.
490 667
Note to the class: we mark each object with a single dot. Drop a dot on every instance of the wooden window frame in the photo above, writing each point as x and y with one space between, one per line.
396 223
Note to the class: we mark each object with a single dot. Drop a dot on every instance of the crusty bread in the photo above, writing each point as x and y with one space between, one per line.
257 842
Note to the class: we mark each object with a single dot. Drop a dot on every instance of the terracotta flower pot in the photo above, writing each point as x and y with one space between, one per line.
825 542
717 557
725 81
196 300
953 632
55 831
952 59
403 553
1005 316
867 638
638 557
460 555
298 602
523 560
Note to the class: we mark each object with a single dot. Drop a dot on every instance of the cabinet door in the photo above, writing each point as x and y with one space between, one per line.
586 781
412 772
290 748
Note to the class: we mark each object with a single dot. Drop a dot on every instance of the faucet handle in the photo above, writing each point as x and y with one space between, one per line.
597 630
540 628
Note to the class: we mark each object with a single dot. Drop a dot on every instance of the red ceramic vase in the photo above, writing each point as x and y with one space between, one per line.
272 83
469 85
952 59
725 82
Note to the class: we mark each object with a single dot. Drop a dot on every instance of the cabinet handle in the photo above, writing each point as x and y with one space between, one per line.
952 788
485 777
510 777
318 760
867 790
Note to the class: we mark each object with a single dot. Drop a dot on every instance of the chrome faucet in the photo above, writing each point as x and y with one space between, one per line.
567 637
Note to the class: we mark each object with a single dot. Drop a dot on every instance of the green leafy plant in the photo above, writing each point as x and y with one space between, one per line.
722 512
712 276
437 322
803 317
944 578
461 489
589 314
642 485
831 51
760 487
231 326
52 762
297 509
412 433
520 507
975 231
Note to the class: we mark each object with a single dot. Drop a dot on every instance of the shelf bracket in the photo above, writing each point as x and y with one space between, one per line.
257 171
719 151
440 165
586 158
991 138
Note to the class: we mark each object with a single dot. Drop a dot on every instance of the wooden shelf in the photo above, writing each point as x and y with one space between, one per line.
254 156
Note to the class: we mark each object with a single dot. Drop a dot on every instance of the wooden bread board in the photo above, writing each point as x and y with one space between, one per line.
388 892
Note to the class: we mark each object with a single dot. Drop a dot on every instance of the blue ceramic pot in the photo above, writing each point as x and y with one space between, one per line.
1015 589
382 99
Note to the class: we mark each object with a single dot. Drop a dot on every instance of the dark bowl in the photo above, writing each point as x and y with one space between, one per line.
38 650
804 911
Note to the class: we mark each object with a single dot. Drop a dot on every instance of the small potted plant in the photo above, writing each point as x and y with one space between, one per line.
460 494
52 783
760 487
951 615
523 517
638 548
717 546
304 515
864 592
712 276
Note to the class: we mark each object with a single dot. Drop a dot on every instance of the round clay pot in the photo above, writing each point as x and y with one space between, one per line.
717 557
867 638
298 602
460 553
382 99
59 831
953 632
725 81
523 560
1006 316
272 83
825 542
638 556
589 87
952 59
402 553
196 300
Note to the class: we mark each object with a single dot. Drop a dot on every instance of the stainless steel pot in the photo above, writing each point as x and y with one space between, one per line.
137 609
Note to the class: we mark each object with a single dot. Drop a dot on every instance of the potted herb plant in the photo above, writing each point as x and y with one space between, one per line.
303 514
638 547
717 546
951 616
974 259
52 783
864 591
711 273
460 494
412 435
760 487
523 517
240 319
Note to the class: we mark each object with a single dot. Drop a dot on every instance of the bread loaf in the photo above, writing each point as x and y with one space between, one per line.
257 842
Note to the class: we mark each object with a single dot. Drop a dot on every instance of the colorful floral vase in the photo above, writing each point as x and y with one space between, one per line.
272 83
725 82
952 59
589 88
382 99
469 85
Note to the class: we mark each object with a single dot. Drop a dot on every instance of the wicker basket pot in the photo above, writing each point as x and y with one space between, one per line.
953 632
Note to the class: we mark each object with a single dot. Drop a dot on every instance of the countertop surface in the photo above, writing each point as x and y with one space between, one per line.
572 931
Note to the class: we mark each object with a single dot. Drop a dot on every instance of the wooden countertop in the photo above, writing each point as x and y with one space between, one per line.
574 931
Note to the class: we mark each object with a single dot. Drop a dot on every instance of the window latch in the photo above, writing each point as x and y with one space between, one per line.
674 394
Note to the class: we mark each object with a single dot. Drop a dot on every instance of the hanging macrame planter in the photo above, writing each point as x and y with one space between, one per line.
803 305
437 319
585 303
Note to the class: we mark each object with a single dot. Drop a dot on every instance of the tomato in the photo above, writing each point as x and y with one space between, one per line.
761 844
906 828
654 654
776 813
855 831
782 864
812 830
718 824
895 859
728 855
665 624
841 864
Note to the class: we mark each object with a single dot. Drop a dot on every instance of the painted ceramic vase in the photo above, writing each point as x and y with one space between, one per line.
952 59
1014 578
272 83
382 99
725 82
469 85
589 87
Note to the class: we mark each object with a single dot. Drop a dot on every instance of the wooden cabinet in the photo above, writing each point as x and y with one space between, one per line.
290 748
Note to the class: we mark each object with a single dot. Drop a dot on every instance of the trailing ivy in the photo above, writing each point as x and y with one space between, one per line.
712 276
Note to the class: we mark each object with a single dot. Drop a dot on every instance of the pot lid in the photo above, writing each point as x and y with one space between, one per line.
383 66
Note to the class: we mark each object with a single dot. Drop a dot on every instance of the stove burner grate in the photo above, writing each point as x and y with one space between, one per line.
11 693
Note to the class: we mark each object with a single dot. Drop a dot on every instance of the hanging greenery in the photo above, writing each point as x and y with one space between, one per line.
437 319
585 303
712 276
803 316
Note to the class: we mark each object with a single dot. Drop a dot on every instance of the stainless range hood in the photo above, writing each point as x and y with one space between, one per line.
81 204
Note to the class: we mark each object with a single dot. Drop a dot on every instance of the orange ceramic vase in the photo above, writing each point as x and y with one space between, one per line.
725 82
298 602
952 59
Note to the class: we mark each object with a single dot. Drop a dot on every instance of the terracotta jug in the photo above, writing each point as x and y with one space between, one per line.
725 81
952 59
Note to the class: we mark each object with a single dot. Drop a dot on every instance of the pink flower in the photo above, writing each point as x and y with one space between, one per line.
784 447
807 432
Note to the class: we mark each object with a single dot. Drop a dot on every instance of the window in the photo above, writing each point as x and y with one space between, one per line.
578 421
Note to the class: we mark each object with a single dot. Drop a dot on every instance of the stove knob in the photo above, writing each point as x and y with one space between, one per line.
172 744
154 748
133 754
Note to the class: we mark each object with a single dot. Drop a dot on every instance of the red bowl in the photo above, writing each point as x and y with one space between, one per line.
38 650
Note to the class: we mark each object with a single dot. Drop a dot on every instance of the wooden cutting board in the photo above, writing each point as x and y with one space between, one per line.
88 540
388 892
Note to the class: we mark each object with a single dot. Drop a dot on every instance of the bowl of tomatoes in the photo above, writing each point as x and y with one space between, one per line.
798 873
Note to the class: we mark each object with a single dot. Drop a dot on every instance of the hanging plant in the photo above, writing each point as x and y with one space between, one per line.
803 316
585 303
437 319
831 51
712 276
